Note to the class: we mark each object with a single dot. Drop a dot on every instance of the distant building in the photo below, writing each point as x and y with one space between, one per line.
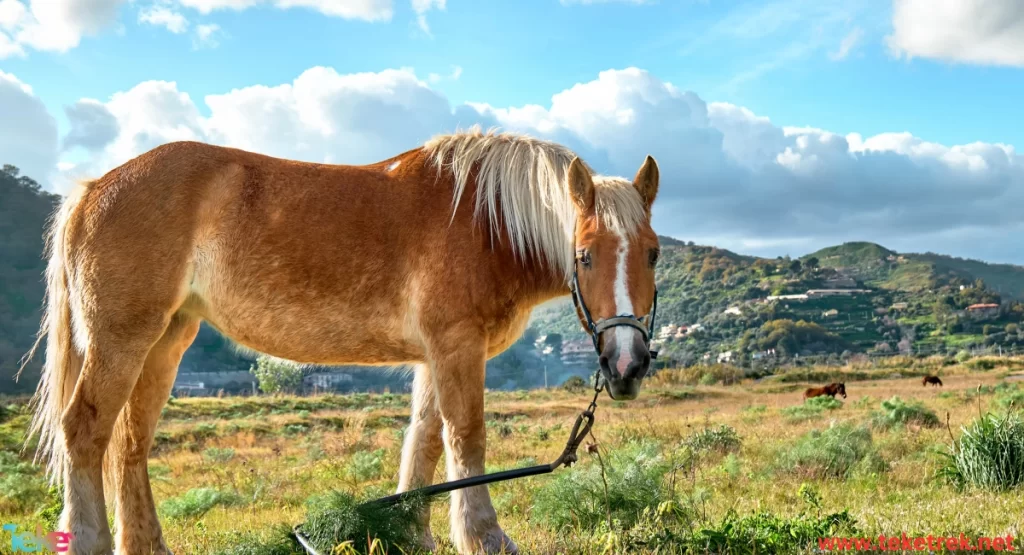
983 311
812 293
830 313
733 310
800 297
672 332
199 384
580 351
840 282
724 357
325 380
899 306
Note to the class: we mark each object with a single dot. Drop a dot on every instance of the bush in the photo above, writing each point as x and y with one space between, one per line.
276 375
824 402
22 486
982 364
574 384
337 519
197 502
699 375
575 499
836 452
366 465
896 411
722 439
766 532
218 455
989 454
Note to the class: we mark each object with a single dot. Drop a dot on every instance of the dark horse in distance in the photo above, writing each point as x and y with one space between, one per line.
934 380
831 390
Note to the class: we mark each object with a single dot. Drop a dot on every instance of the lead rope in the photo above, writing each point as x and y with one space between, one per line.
580 429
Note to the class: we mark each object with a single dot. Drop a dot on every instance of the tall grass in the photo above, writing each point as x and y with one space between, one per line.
896 411
988 455
835 452
577 499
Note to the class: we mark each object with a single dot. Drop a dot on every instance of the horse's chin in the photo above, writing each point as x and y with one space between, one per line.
624 389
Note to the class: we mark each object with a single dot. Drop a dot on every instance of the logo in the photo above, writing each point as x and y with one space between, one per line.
28 542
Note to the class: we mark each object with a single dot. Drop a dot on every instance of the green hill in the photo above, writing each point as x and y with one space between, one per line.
696 283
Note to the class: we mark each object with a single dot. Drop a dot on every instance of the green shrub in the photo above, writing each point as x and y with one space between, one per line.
722 439
366 465
836 452
824 402
1011 398
989 454
896 411
574 384
766 532
982 364
337 518
575 499
22 486
197 502
218 455
276 541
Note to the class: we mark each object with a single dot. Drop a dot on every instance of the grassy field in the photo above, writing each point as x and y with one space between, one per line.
686 465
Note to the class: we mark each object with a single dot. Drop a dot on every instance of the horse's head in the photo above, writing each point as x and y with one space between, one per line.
841 389
616 251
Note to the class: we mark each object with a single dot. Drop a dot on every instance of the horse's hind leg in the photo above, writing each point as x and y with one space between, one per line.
137 526
110 369
423 447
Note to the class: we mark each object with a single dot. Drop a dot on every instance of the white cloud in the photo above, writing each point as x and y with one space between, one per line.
206 36
589 2
92 125
28 136
729 176
988 32
367 10
52 25
162 16
435 78
421 7
847 45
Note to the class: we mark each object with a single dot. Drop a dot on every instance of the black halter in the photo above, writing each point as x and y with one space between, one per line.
595 328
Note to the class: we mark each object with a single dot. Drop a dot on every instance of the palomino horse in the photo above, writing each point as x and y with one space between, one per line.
934 380
434 257
830 390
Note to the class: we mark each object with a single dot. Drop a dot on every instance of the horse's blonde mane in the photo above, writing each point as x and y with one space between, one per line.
521 184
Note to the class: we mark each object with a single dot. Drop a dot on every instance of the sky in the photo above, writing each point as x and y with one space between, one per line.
780 126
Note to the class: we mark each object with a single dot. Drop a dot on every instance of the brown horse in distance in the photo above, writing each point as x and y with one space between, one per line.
831 390
434 258
934 380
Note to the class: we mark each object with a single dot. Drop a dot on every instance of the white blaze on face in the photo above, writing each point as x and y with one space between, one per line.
623 305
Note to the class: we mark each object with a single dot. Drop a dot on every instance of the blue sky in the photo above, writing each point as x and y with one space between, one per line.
931 69
515 53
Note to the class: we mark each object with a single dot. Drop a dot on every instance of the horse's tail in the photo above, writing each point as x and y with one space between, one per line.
63 361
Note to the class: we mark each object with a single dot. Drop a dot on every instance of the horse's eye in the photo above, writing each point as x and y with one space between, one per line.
653 257
583 256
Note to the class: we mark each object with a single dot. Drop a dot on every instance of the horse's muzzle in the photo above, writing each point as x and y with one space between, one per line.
624 364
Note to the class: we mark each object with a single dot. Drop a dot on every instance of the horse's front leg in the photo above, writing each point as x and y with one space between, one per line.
422 448
458 361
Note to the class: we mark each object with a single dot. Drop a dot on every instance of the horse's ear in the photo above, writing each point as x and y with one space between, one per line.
646 180
581 185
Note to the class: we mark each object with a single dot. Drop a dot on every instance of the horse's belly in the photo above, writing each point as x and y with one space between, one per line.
306 325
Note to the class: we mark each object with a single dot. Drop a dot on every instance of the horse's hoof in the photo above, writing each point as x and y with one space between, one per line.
427 543
497 542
